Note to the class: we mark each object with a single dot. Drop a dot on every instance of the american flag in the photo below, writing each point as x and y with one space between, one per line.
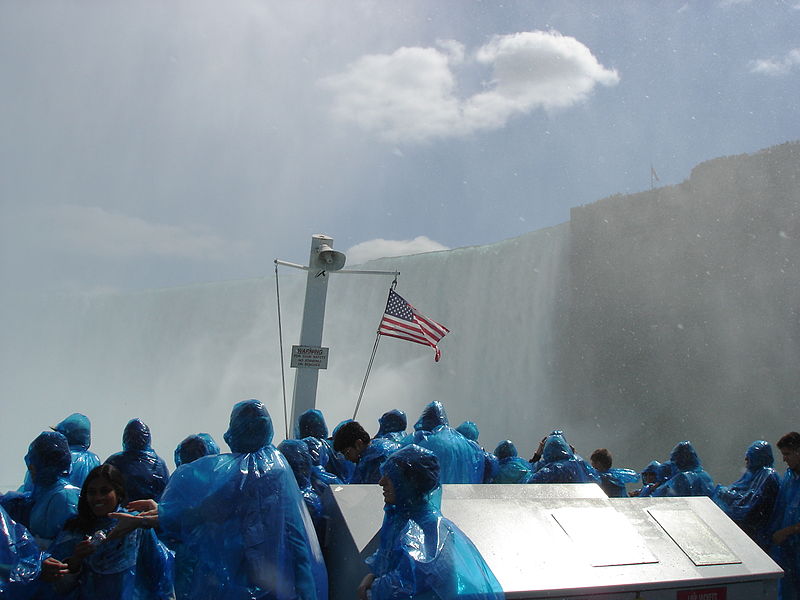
403 321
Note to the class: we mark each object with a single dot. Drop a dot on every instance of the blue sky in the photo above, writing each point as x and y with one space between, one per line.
153 144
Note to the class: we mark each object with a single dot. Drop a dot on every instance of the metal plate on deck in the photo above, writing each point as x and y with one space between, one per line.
604 536
692 535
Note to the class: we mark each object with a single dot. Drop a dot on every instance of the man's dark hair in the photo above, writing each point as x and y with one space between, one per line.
790 441
348 434
603 457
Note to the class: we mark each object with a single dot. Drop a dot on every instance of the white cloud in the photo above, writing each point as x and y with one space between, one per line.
410 95
727 3
380 248
406 96
96 231
776 65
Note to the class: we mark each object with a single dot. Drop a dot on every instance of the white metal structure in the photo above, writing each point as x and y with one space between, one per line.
572 543
323 258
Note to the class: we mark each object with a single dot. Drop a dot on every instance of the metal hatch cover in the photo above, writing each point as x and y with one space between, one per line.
604 536
692 535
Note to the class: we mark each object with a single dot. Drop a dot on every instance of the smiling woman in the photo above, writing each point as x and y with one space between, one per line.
136 565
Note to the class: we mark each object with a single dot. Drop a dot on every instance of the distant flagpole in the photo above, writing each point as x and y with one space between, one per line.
653 177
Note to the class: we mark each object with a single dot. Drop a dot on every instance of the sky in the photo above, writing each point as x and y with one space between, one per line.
156 144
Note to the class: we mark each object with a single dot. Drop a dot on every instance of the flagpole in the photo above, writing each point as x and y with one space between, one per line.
374 351
366 375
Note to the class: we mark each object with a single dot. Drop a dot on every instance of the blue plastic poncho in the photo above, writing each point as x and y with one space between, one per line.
469 430
560 465
750 500
663 473
650 481
392 424
244 518
421 554
460 460
20 558
18 505
321 478
690 479
78 430
613 481
193 447
368 468
511 469
135 566
311 424
787 555
491 466
296 454
189 450
54 500
145 473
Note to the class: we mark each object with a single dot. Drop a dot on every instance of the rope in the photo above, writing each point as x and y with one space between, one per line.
280 342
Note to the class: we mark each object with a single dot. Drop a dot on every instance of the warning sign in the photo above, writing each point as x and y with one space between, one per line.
309 357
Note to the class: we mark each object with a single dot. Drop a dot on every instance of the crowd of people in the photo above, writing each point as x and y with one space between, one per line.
249 523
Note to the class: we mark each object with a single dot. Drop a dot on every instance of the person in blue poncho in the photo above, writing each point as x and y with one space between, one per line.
469 429
137 565
421 554
296 454
512 468
491 464
689 479
559 464
786 519
354 443
189 450
750 500
78 430
650 482
244 518
53 500
312 424
321 478
460 460
20 559
193 447
612 481
392 425
145 472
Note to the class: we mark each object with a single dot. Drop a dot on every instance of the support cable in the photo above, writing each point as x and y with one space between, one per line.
280 342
